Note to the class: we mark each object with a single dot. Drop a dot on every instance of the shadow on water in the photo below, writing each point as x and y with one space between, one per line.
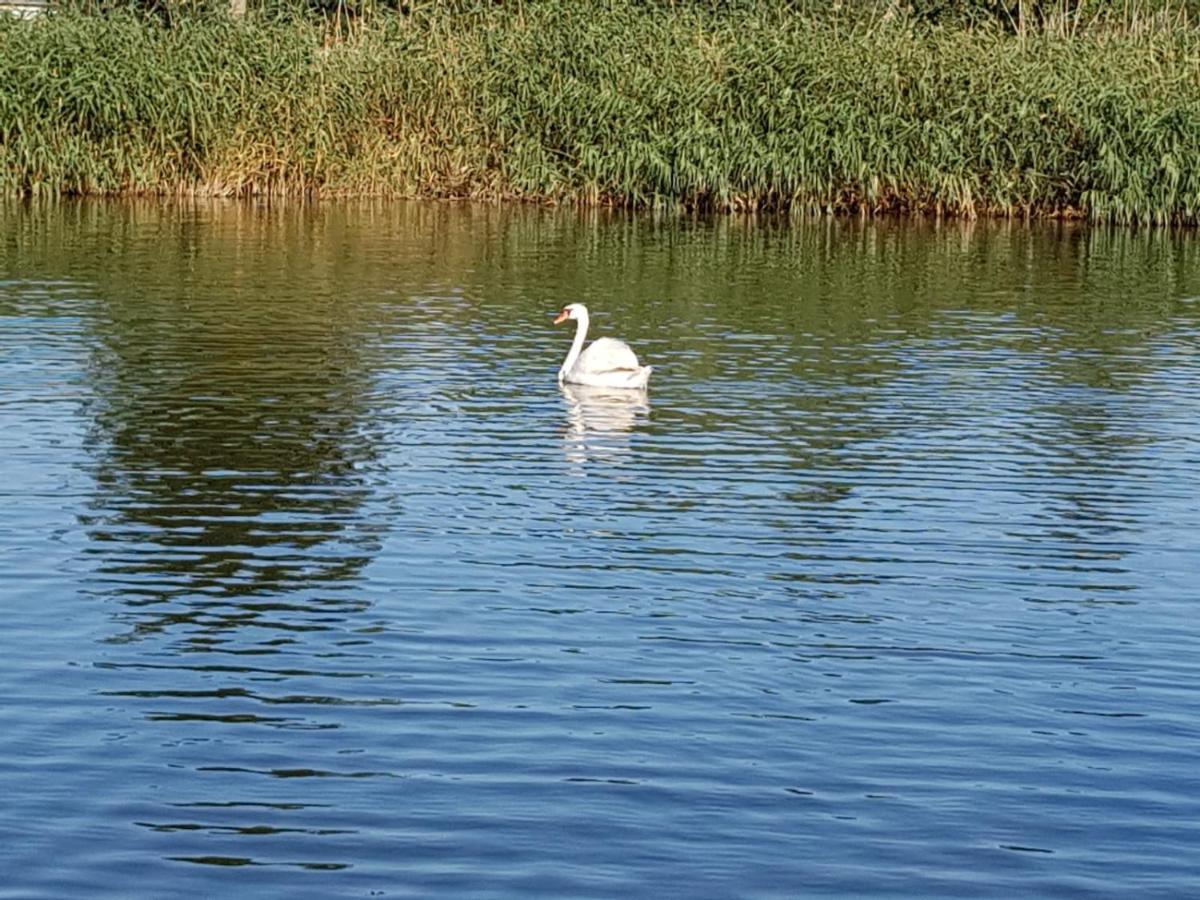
230 429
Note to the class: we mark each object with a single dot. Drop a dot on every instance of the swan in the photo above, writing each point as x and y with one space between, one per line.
606 362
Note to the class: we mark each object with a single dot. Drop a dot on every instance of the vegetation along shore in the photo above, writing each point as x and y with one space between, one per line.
1054 109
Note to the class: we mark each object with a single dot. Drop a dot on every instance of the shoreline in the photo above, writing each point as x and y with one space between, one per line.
739 110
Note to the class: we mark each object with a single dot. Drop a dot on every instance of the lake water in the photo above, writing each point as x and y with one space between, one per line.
315 584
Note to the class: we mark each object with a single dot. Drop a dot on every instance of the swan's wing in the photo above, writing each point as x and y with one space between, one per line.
605 355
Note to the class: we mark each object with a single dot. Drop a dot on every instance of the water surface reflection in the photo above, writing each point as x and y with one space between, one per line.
233 447
893 571
600 422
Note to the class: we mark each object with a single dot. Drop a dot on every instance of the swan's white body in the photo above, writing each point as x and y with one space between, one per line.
606 362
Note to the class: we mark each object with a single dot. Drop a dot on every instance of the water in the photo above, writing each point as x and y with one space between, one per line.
315 584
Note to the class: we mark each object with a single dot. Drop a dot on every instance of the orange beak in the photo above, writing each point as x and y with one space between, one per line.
561 317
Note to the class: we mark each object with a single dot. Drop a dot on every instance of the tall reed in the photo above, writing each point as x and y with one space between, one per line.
724 107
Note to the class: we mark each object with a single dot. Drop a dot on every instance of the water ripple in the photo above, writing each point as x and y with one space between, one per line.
317 583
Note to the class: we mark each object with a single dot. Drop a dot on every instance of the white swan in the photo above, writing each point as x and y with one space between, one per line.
605 363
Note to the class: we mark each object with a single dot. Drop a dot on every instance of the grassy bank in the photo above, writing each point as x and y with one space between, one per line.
744 107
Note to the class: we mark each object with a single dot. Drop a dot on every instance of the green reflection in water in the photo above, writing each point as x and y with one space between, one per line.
251 367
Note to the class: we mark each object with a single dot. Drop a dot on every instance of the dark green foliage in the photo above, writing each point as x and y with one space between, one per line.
1017 15
710 107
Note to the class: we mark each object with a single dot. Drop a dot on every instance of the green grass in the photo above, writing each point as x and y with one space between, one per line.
732 107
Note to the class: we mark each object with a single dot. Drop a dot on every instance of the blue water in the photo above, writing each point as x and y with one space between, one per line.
315 584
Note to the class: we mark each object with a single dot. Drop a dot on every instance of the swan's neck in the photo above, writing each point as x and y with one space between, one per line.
581 328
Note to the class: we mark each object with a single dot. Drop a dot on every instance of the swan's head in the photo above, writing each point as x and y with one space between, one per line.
571 311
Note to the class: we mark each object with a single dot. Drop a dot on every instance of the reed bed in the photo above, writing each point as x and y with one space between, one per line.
731 107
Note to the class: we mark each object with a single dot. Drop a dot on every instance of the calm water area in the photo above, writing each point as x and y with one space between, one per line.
315 583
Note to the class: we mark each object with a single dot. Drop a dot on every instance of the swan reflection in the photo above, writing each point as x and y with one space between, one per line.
600 421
